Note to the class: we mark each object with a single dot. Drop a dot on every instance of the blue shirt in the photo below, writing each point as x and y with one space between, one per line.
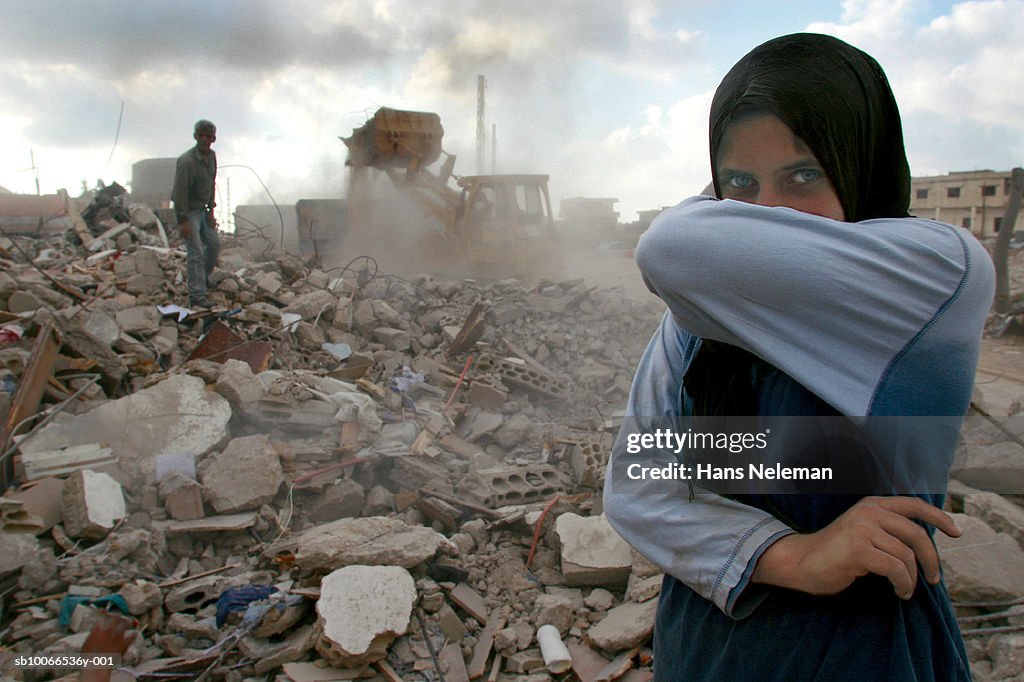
872 320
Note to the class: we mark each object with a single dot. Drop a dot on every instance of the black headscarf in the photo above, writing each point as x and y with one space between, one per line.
836 99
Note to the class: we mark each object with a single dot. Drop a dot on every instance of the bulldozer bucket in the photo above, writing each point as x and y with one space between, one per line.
409 140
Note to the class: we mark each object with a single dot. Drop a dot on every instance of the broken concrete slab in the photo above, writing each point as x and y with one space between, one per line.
361 610
91 504
143 320
998 467
42 501
981 565
1001 515
372 541
592 552
176 415
245 475
182 497
239 385
16 550
228 523
625 626
342 499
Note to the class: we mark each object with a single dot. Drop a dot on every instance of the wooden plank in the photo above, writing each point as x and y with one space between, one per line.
471 602
484 644
452 657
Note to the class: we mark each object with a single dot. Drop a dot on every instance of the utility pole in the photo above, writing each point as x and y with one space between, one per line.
494 149
1002 249
481 134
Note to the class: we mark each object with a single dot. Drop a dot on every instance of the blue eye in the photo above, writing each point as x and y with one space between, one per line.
740 182
806 175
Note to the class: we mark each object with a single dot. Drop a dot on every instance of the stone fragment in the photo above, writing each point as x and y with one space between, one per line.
513 431
16 550
643 589
981 565
1007 654
310 305
379 500
270 655
524 661
23 302
998 468
141 596
592 552
103 327
239 385
245 475
469 601
343 499
1001 515
144 320
393 339
182 497
599 599
176 415
556 610
372 541
91 504
361 610
625 626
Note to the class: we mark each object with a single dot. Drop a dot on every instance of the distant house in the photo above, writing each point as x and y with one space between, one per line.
972 199
591 214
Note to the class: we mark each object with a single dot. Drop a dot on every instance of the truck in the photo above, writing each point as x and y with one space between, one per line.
488 226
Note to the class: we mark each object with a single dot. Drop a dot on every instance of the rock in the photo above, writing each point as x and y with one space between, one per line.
141 596
246 475
551 609
379 500
981 565
239 386
625 626
343 499
144 320
310 305
599 599
1007 654
642 589
361 610
512 431
371 541
1001 515
91 504
998 468
592 552
16 551
174 416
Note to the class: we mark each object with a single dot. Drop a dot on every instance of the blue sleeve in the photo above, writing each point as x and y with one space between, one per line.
709 543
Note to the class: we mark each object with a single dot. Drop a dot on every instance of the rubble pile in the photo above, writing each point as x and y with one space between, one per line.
337 474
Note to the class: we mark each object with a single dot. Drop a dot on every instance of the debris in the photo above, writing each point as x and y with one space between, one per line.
556 656
91 504
360 612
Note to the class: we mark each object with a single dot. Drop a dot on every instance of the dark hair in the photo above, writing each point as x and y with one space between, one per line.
836 99
203 124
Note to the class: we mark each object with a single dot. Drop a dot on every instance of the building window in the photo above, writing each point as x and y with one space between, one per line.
922 194
952 192
988 190
997 223
966 222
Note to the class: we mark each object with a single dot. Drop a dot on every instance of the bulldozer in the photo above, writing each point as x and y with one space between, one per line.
486 226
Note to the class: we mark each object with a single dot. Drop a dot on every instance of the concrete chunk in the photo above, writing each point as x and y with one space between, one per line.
592 552
144 320
625 626
176 415
981 565
91 504
361 610
245 475
371 541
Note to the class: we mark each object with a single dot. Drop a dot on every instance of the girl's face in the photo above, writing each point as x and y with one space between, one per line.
762 162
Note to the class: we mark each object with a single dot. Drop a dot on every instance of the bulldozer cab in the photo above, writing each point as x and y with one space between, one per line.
505 218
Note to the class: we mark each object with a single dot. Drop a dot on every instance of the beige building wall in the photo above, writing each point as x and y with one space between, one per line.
971 199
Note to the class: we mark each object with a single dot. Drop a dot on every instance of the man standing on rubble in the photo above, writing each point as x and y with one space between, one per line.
193 198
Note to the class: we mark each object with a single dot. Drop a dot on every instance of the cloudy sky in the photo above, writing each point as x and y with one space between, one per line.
609 97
